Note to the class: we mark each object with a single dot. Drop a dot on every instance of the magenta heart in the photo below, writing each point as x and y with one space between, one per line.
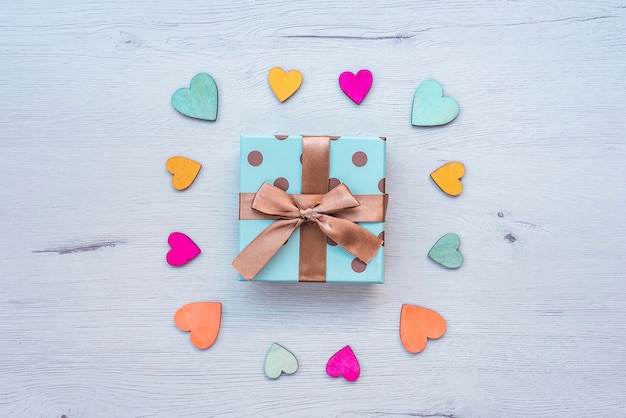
356 86
183 249
344 363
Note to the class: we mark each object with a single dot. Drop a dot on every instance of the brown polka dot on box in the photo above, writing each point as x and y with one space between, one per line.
333 182
358 266
381 185
255 158
282 183
359 158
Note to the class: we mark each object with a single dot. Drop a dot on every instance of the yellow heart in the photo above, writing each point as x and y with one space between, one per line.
184 171
448 178
284 84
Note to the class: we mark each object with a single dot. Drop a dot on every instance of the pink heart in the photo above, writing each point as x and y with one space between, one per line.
344 363
183 249
356 86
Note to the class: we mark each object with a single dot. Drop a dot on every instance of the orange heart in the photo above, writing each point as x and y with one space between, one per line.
202 319
184 171
448 178
417 325
284 84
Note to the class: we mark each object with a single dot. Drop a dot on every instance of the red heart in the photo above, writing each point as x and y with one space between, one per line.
202 319
344 363
417 325
183 249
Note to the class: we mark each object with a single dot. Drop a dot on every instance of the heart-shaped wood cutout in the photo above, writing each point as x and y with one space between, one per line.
344 363
199 100
446 251
284 84
183 249
356 86
279 360
448 178
184 171
417 325
431 107
202 320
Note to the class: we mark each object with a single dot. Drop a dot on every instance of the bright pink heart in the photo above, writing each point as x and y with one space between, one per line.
356 86
344 363
183 249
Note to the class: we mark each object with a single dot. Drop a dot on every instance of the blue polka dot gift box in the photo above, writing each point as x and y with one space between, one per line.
312 209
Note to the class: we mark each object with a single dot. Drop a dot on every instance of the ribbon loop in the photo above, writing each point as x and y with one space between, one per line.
273 201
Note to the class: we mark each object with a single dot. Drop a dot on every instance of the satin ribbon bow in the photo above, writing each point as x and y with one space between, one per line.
290 215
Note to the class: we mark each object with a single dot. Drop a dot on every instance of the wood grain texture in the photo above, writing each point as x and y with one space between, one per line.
535 315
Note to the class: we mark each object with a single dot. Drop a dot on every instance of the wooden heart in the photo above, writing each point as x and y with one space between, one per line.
430 107
448 178
344 363
446 251
417 325
356 86
183 249
199 100
279 360
184 171
202 320
284 84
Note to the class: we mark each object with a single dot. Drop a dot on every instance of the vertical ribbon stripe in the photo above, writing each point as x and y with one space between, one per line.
315 172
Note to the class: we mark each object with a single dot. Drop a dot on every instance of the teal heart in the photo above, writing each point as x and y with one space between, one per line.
279 360
199 100
430 107
446 251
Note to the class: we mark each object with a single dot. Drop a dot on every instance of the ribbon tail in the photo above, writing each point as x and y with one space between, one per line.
263 247
355 239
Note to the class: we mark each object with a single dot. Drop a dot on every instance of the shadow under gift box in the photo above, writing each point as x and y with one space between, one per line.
357 162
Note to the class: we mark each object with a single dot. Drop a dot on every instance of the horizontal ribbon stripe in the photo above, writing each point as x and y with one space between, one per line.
372 208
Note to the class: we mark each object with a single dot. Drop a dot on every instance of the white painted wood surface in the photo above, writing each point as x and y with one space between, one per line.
536 315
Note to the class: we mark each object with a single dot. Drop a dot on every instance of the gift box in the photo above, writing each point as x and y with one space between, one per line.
311 209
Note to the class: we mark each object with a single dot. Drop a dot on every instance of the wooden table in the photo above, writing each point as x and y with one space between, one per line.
536 315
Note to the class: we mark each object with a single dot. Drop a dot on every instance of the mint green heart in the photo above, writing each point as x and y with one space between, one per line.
279 360
430 107
446 251
199 100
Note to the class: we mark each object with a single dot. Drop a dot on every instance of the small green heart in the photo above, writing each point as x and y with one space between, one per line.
446 251
279 360
199 100
430 107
